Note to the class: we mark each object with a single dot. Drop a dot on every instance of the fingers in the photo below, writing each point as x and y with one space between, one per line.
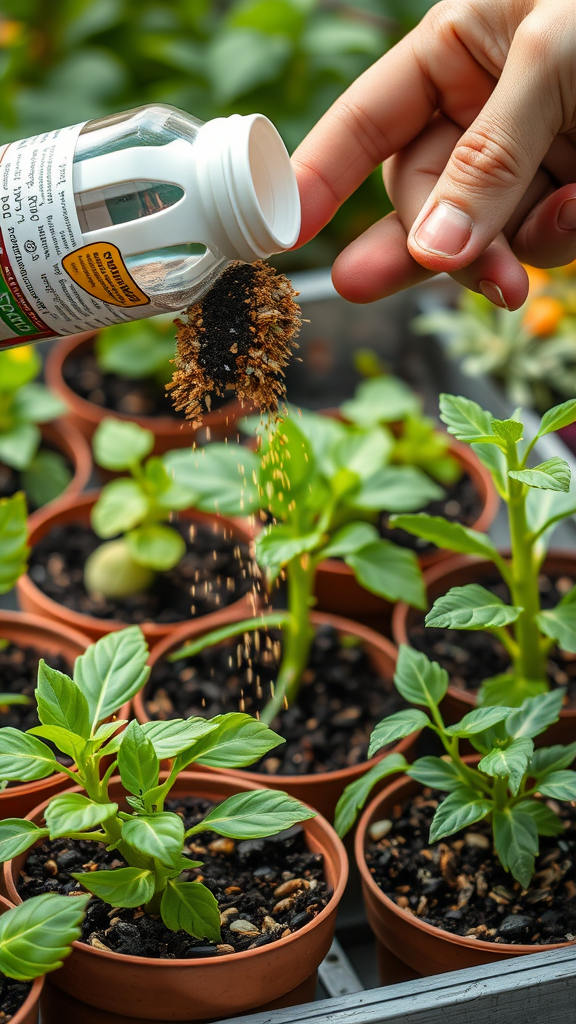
547 238
377 264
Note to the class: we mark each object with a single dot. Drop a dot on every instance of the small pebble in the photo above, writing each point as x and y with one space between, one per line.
283 905
477 841
222 845
242 927
379 829
224 949
516 927
293 885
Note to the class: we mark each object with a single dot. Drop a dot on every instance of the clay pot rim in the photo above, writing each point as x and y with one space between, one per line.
79 620
73 445
200 779
402 611
161 426
404 781
37 985
340 623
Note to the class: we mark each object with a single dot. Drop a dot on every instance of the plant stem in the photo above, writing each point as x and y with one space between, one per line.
529 661
297 636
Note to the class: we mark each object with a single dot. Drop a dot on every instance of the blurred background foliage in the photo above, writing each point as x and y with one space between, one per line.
65 61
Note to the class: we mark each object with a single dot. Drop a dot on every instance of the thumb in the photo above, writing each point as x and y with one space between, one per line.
493 163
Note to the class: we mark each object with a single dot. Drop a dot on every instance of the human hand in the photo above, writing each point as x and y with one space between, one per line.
474 116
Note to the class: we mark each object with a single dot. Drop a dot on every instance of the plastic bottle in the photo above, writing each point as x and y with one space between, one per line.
128 216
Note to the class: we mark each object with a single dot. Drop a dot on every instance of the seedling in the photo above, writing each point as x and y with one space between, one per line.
75 714
36 936
504 788
323 484
537 500
141 349
137 507
24 403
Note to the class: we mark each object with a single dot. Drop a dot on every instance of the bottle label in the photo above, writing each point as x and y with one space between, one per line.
50 282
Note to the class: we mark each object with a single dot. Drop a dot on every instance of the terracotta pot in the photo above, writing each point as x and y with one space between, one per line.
170 431
423 947
28 1012
77 510
145 988
323 790
64 436
336 588
457 572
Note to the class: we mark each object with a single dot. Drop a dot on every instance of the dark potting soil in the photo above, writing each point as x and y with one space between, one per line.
131 396
329 728
12 995
471 656
459 885
215 571
265 888
11 482
461 504
18 674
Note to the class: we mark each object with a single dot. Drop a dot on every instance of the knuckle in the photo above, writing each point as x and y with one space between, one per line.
364 131
481 157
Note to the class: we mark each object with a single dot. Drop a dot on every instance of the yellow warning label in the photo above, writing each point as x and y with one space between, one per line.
100 270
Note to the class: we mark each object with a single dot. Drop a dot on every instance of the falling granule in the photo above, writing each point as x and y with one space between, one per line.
239 337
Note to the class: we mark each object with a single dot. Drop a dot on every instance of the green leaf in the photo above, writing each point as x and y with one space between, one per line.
363 452
35 403
278 545
389 571
18 366
435 772
112 670
356 794
46 477
23 758
516 842
558 417
122 887
547 823
510 762
157 546
105 731
137 761
68 742
384 399
156 835
351 538
18 835
14 548
61 702
120 444
552 475
221 477
510 431
560 785
452 536
477 721
551 759
238 740
465 419
19 444
536 714
253 815
395 727
471 607
171 738
419 680
37 935
396 489
138 349
559 624
509 690
462 807
73 812
122 505
241 59
192 908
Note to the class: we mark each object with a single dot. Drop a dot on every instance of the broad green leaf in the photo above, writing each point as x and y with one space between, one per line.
136 349
552 475
465 418
60 701
122 505
462 807
452 536
111 671
396 489
37 935
120 444
351 538
74 812
14 548
171 738
278 545
156 835
252 815
157 546
516 842
395 727
509 762
559 624
471 607
356 794
222 477
389 571
560 785
137 761
419 680
19 444
323 434
105 731
547 823
240 59
363 452
287 468
35 403
238 740
558 417
68 742
18 835
536 714
47 476
551 759
477 721
23 758
122 887
192 908
435 772
510 431
383 399
509 690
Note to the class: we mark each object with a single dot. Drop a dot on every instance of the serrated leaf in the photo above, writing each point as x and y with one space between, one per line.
516 842
60 701
419 680
560 416
74 812
137 761
465 418
23 758
509 762
123 887
509 430
389 571
551 759
552 475
452 536
350 538
395 727
254 815
477 721
156 835
435 772
547 823
536 714
238 740
157 546
356 794
18 835
559 624
560 785
120 444
121 506
471 607
462 807
37 935
192 908
111 671
172 737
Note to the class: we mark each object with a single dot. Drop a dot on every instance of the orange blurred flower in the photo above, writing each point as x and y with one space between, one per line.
543 315
9 32
538 279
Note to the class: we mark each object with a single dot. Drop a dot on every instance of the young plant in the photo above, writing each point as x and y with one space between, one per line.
137 507
138 350
504 788
74 713
14 553
537 498
322 483
24 403
36 936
